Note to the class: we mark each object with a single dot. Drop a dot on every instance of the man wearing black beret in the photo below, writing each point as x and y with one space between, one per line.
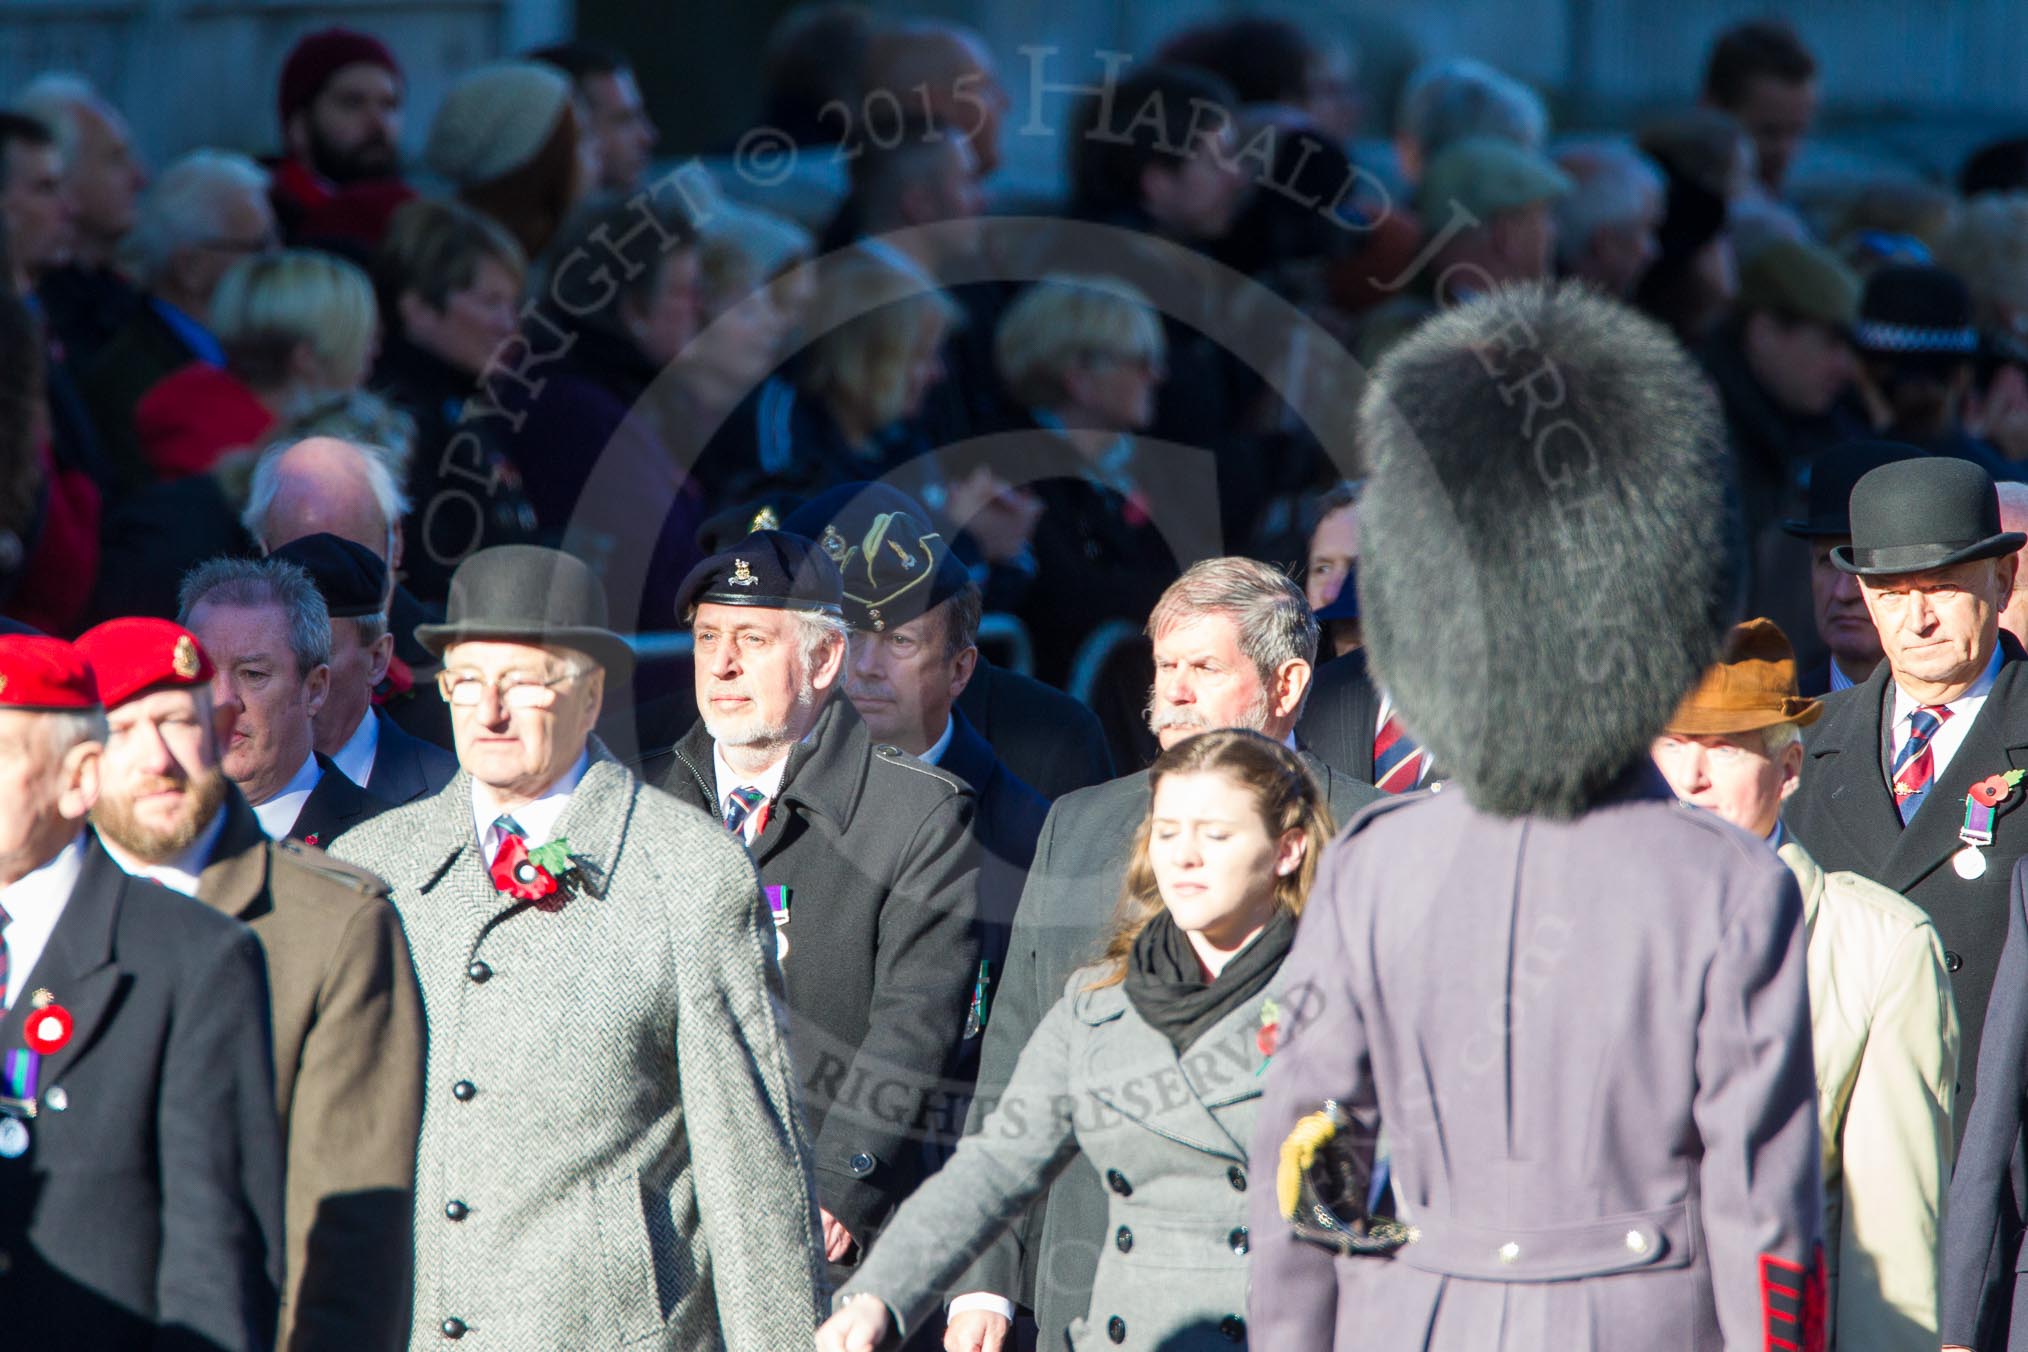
865 854
1907 777
361 740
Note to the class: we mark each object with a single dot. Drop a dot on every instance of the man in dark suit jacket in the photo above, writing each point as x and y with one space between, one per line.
367 746
1204 678
268 633
867 856
1891 768
1051 742
348 1024
140 1161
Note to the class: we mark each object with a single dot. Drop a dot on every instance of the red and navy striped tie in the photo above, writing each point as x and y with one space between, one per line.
1397 758
1915 767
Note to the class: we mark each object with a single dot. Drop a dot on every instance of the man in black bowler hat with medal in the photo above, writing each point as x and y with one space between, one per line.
865 854
1907 777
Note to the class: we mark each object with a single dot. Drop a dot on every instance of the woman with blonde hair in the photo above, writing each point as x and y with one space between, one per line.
297 328
1150 1066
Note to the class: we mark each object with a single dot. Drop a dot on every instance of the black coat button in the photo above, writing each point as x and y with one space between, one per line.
1233 1327
454 1329
480 972
1237 1177
861 1164
1123 1240
1116 1329
1237 1239
1952 961
463 1090
456 1210
1117 1181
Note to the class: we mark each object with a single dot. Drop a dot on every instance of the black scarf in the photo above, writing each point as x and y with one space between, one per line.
1166 985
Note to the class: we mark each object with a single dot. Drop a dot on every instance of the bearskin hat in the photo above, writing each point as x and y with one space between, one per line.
1545 566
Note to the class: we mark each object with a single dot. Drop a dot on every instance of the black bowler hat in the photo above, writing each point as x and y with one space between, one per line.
771 570
528 594
895 565
1828 512
352 578
1914 515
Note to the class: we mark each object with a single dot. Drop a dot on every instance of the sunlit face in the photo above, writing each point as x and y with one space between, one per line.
272 702
37 209
1842 618
519 752
474 321
1334 549
1731 775
356 668
160 783
1938 628
754 689
1214 856
354 124
34 807
1203 680
903 682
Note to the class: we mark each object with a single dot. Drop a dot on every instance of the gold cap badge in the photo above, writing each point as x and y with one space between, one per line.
742 576
184 660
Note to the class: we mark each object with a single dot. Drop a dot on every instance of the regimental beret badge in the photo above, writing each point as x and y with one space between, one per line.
184 660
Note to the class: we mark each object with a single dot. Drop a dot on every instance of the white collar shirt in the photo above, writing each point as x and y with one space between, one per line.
34 903
1951 735
355 758
768 781
537 820
935 755
278 814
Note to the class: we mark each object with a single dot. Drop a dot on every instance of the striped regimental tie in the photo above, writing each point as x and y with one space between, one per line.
1915 767
739 806
1398 758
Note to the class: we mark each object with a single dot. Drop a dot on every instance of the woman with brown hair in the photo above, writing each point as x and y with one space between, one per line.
1150 1066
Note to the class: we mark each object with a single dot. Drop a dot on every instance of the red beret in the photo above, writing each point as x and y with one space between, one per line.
44 673
319 56
135 655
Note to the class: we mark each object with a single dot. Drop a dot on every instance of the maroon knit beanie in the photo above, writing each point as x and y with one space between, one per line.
319 56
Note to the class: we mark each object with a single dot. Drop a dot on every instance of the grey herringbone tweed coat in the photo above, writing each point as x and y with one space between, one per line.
612 1154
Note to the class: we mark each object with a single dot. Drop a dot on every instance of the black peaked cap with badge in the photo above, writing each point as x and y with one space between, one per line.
1828 508
895 565
769 570
529 594
352 578
1915 515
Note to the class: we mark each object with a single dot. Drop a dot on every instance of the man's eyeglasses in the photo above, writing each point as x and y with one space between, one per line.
517 690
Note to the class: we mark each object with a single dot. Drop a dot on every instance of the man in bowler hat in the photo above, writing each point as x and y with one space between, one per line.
347 1018
1852 648
1577 1012
611 1149
867 857
1888 783
140 1165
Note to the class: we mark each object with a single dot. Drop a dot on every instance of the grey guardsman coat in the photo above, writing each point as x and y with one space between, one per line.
611 1150
1985 1263
1588 1043
1844 815
875 849
1169 1135
1080 864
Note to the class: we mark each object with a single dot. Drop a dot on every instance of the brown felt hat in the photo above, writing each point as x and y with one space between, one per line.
1752 687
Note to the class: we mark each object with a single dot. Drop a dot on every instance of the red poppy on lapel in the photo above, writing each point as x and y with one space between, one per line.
48 1029
521 878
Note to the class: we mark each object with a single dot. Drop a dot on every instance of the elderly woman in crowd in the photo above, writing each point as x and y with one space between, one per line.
1180 997
449 282
296 327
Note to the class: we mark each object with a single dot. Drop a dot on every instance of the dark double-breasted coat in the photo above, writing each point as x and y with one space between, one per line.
1073 886
876 851
1587 1045
348 1052
146 1212
1844 815
405 767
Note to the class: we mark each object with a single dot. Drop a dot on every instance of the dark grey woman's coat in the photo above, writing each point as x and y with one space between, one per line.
1167 1133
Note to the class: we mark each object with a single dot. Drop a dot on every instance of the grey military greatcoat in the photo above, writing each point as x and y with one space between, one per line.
1167 1133
612 1154
1588 1044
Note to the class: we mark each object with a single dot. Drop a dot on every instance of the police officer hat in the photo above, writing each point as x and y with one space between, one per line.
1915 515
895 564
769 569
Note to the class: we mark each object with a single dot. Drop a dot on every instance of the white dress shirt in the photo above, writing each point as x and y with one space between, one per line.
180 872
537 820
1949 737
278 815
768 781
34 904
935 755
355 758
